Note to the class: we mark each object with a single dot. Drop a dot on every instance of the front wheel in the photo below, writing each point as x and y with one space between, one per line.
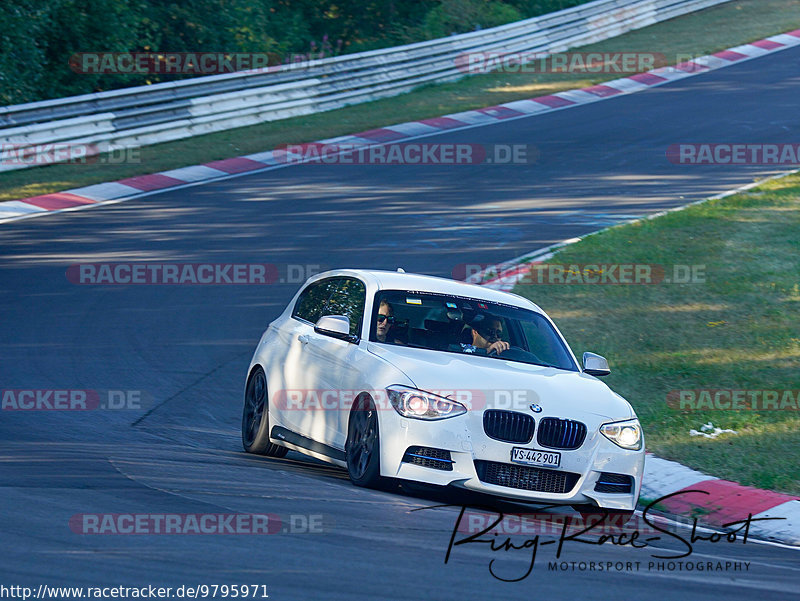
362 450
255 418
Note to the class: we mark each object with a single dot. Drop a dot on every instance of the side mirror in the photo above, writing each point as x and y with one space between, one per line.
335 326
595 365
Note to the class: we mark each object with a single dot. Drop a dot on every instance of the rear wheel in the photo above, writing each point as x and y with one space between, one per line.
255 418
362 450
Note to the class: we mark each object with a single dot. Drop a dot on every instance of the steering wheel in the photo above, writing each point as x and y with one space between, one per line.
494 350
515 352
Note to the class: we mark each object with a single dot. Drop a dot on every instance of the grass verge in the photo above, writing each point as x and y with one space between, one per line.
696 34
739 329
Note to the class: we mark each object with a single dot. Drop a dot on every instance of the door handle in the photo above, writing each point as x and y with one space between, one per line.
303 338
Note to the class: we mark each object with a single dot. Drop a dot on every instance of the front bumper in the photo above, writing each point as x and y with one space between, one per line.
467 443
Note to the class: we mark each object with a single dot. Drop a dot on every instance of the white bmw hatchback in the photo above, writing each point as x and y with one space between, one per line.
395 375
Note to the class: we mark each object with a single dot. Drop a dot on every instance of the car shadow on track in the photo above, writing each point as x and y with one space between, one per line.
303 465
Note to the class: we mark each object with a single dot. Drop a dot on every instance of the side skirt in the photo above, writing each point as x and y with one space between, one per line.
298 440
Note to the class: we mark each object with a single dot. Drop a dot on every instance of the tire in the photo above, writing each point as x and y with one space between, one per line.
362 449
255 418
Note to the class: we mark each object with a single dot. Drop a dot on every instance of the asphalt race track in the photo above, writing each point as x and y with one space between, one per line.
187 349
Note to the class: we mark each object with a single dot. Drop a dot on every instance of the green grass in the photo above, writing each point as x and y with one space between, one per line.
696 34
740 329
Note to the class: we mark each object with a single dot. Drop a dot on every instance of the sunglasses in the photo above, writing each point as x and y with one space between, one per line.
382 318
491 333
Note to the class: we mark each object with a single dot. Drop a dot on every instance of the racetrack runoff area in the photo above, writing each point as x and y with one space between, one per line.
713 339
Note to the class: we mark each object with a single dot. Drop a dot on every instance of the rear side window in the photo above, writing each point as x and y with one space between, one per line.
348 298
312 300
334 296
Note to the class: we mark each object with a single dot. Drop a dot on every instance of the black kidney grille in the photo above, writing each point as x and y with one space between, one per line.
438 459
561 433
614 483
508 426
525 478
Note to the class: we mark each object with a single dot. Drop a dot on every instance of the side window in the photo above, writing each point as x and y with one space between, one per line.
348 298
543 343
312 300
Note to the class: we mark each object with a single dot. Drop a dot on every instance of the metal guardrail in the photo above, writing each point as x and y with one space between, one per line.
138 116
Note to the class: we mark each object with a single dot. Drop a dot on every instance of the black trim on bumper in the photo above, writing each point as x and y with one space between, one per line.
299 440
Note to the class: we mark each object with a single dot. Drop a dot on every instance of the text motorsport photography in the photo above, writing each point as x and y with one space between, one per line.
667 546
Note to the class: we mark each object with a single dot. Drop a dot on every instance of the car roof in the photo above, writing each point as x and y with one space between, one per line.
396 280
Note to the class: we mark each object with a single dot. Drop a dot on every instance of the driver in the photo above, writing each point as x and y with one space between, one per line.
385 330
486 333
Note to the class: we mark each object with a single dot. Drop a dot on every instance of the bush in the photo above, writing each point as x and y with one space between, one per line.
38 37
534 8
461 16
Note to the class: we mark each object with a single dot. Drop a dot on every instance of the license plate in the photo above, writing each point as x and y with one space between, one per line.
535 457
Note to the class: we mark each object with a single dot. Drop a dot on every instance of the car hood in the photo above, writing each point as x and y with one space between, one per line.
498 384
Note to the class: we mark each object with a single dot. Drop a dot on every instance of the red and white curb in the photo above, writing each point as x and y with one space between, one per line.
135 187
717 502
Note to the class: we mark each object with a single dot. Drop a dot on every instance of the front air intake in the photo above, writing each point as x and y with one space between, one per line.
525 478
437 459
614 483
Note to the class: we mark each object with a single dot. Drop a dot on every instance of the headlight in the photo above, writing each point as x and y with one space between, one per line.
418 404
627 434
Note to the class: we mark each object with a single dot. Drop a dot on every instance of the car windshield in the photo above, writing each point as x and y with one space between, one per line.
469 326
